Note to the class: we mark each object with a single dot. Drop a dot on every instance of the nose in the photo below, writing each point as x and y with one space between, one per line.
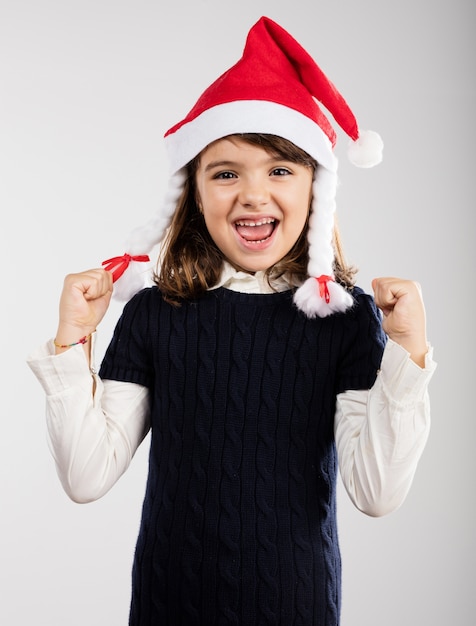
254 193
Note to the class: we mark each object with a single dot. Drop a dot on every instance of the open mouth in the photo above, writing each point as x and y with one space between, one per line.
256 231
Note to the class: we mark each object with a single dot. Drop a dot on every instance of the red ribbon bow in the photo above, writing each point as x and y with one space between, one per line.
323 288
118 264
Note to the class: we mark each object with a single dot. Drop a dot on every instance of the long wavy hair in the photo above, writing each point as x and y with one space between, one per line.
190 262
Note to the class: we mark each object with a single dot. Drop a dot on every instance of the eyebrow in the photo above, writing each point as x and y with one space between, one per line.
213 164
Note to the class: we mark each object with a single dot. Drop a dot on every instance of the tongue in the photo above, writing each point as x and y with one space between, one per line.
255 233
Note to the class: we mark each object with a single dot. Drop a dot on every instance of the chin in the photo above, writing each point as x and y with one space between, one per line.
251 268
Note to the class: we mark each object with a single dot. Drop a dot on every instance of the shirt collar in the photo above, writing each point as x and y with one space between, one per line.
243 282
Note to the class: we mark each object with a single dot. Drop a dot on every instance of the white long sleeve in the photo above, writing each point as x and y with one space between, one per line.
381 433
92 437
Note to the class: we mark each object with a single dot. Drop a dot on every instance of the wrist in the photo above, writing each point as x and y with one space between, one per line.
81 340
67 338
417 348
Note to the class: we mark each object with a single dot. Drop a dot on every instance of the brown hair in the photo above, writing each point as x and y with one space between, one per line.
190 262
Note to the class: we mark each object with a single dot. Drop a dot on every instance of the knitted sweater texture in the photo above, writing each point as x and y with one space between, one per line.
239 516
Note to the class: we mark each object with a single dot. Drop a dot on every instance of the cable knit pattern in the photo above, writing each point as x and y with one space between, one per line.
239 516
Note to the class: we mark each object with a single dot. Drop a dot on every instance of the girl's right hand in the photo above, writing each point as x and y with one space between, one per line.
84 301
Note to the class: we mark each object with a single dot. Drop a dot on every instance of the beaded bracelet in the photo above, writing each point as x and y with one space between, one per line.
76 343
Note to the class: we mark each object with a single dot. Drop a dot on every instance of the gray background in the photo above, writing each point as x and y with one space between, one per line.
87 90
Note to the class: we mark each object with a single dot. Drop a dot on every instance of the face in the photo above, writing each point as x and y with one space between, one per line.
255 204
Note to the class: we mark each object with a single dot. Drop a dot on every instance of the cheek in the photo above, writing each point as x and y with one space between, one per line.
300 215
215 206
213 216
216 224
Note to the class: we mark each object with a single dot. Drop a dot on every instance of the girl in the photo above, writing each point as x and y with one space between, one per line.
254 360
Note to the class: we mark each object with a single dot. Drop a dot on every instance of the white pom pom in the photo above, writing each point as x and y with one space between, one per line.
367 150
135 278
308 299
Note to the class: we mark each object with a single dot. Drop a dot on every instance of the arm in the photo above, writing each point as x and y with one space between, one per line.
381 433
92 435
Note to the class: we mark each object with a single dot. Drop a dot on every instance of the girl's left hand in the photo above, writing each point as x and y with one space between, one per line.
404 318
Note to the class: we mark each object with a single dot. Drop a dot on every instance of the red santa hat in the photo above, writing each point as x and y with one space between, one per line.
275 88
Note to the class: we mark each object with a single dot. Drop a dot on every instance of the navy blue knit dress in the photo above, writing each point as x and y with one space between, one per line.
239 517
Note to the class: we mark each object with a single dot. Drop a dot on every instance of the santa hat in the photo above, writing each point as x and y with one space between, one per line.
273 89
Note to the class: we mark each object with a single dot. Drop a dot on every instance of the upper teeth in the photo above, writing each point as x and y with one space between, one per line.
265 220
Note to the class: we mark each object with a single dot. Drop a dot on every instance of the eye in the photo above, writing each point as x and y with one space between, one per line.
280 171
224 175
